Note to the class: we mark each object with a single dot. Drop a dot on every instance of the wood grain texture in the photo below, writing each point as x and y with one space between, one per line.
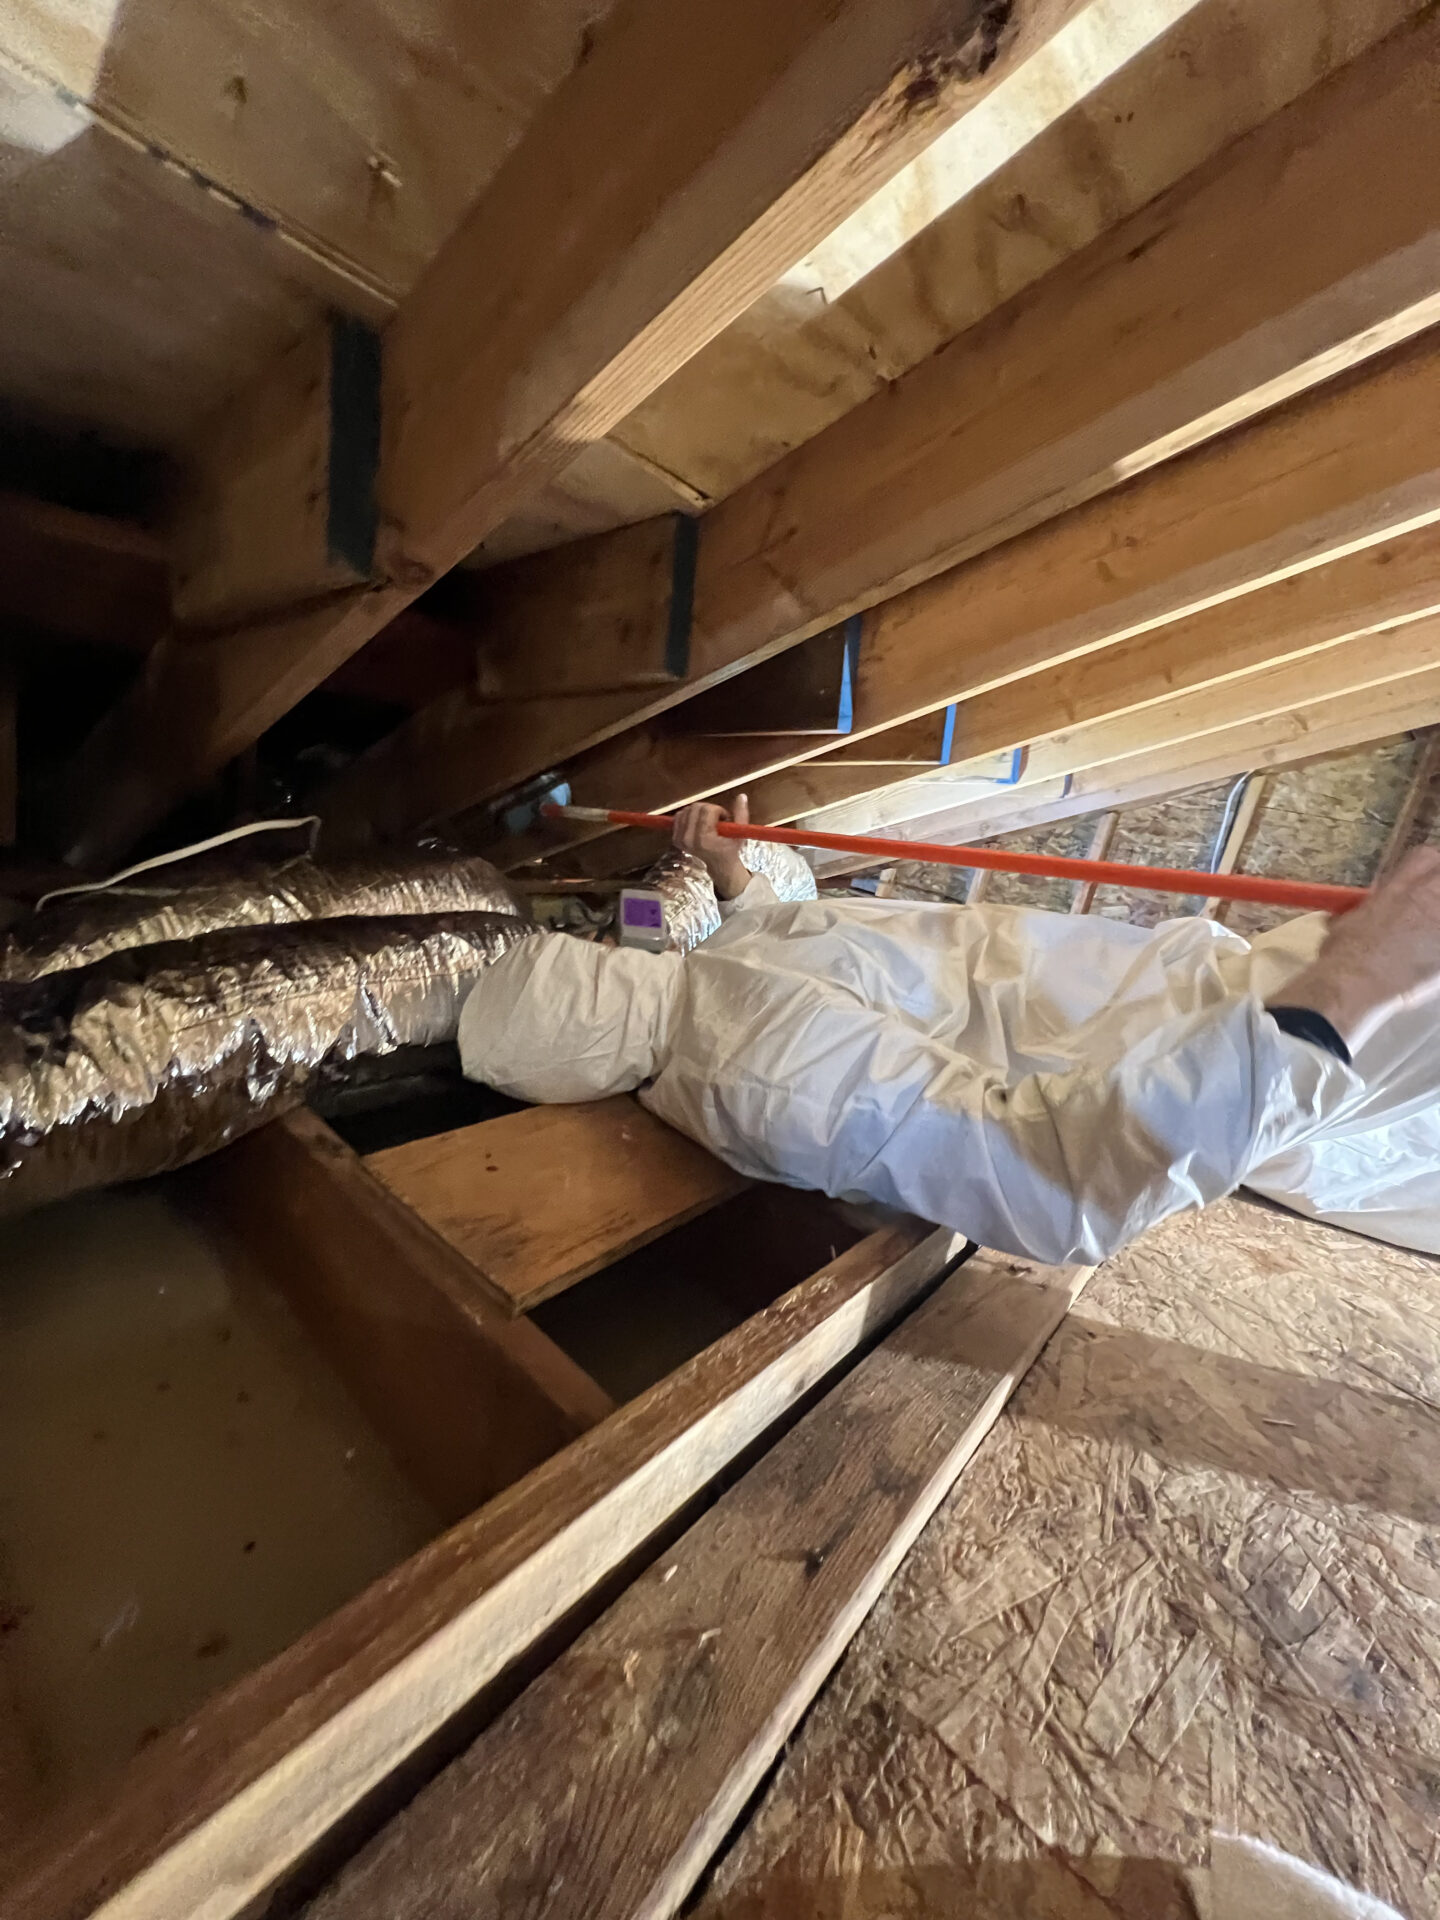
537 1200
1188 1586
993 435
79 575
1327 727
358 138
1360 593
604 1791
589 619
256 499
467 1401
494 373
210 1817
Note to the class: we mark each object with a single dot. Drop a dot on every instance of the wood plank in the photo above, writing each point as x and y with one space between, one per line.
615 598
1237 837
597 1794
1101 841
467 1400
1326 727
258 476
1185 1591
1348 668
356 140
210 1817
1360 593
494 374
537 1200
81 575
808 689
994 434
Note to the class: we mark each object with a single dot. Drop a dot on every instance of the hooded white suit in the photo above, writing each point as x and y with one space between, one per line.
1047 1085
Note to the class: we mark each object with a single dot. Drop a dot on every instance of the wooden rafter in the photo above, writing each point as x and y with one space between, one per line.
1309 272
1286 739
568 294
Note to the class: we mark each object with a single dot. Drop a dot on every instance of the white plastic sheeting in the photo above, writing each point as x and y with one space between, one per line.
1048 1085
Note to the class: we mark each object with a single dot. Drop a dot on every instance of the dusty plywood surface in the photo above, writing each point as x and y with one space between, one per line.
1191 1582
536 1200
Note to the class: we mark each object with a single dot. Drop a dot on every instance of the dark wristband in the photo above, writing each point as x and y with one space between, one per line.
1303 1023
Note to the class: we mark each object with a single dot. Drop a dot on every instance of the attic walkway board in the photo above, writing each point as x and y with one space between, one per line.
539 1200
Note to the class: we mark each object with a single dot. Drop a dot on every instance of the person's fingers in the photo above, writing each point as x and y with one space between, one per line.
694 830
740 809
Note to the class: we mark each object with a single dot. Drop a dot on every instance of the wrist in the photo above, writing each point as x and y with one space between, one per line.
729 876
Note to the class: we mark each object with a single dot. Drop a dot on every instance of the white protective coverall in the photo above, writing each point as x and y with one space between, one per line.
1048 1085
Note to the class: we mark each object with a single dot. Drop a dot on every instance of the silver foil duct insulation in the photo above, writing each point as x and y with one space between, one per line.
692 912
163 1054
185 901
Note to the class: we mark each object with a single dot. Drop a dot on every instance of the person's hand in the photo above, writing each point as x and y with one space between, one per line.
695 833
1381 958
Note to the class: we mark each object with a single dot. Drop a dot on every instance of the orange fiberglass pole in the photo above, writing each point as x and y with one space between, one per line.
1297 894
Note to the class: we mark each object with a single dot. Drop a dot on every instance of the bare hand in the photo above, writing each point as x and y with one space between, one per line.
1380 959
695 833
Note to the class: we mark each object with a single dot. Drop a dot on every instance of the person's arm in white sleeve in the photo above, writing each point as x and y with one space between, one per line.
1069 1166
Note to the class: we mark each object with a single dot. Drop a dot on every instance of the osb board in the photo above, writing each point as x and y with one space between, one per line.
1179 832
1327 821
361 131
131 301
238 169
1191 1583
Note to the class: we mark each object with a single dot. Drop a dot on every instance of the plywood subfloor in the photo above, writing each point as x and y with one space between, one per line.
1192 1582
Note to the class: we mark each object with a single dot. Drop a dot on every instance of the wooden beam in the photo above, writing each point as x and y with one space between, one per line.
468 1400
622 600
807 690
537 1200
598 1796
210 1817
1362 592
280 499
1308 732
1237 837
81 575
505 360
1351 671
1313 265
1101 841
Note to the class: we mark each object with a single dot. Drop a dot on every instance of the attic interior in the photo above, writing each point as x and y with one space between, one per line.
1002 423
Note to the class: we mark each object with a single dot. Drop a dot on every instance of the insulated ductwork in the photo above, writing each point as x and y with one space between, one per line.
692 912
121 1056
179 903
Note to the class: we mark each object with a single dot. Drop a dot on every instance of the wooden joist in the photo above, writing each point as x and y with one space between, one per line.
211 1817
1311 262
807 690
918 812
622 600
537 1200
507 358
606 1789
468 1399
1226 658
